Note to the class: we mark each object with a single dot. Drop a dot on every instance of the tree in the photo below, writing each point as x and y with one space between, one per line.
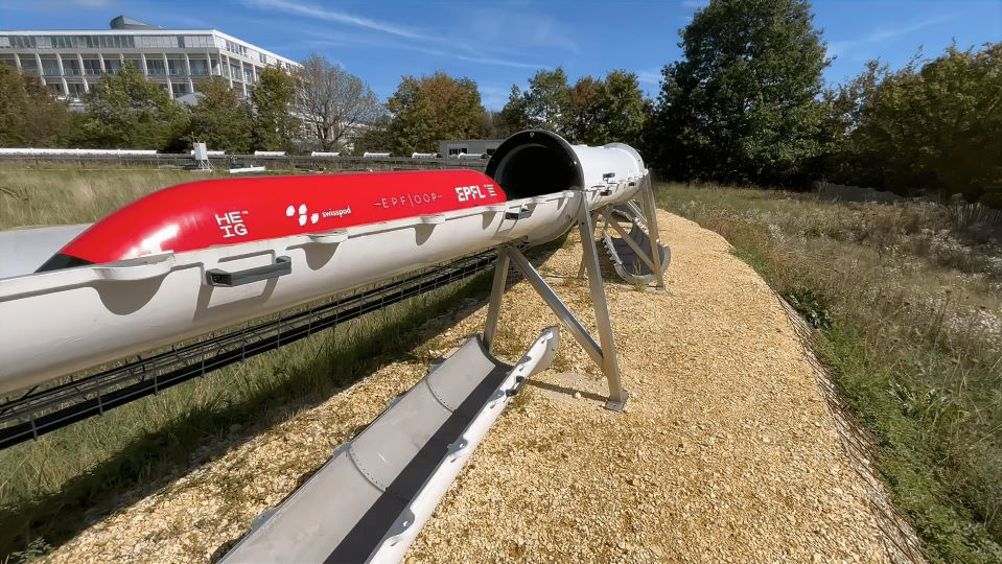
432 108
332 102
275 125
844 161
29 115
627 109
221 119
742 104
935 128
514 116
593 111
125 110
542 105
375 137
584 115
605 111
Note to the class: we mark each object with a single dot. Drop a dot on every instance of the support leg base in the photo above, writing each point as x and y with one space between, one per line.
619 405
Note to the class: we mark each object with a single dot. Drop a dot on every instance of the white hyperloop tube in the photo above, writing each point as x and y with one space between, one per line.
58 322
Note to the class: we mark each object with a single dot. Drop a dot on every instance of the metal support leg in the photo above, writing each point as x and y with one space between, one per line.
497 293
654 234
603 352
610 363
564 314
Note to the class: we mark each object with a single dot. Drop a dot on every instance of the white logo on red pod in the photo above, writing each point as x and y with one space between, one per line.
303 214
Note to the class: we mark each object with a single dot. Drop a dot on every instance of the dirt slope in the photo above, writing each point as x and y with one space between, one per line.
727 450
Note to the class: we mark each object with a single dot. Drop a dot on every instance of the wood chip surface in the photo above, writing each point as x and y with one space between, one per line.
727 450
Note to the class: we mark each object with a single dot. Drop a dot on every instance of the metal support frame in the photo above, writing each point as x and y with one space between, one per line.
604 351
611 221
650 210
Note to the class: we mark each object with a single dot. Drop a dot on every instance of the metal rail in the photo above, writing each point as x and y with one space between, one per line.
287 162
39 412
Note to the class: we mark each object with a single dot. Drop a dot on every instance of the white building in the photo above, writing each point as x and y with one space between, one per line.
456 147
69 62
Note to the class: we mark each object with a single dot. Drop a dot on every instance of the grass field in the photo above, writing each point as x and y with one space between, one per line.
908 299
51 488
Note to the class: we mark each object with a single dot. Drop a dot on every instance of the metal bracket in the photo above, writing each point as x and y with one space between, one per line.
520 213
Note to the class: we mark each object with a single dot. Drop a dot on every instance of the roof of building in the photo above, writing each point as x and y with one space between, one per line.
139 29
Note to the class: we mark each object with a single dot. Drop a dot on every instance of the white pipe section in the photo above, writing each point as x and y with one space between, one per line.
394 546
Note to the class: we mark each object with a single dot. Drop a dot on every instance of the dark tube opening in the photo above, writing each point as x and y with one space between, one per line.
535 162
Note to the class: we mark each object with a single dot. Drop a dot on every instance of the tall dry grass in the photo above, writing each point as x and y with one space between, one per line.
63 195
909 301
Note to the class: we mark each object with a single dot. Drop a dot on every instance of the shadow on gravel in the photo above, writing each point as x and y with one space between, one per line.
34 528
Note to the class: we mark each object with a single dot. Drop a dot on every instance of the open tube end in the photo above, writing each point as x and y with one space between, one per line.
535 162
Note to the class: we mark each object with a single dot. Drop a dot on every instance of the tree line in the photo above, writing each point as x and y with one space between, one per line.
745 104
314 107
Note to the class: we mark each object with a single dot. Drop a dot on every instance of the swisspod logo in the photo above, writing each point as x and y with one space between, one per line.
303 211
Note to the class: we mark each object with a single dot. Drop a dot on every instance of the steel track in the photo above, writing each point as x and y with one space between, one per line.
39 412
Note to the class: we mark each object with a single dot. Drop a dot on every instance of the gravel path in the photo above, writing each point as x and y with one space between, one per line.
727 450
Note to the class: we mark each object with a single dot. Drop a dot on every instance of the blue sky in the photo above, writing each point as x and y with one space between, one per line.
503 43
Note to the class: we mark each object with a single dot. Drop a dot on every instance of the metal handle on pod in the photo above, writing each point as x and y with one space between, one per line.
219 277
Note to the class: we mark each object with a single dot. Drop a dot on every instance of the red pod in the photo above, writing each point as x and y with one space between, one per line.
200 214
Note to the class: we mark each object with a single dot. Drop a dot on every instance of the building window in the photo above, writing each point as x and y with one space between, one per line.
112 65
92 67
192 41
176 67
236 48
29 65
23 42
458 150
4 41
75 89
155 67
109 41
56 88
50 66
156 41
179 89
199 67
71 66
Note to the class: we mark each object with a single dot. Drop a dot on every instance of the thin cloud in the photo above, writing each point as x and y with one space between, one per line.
342 39
836 48
337 16
649 76
476 58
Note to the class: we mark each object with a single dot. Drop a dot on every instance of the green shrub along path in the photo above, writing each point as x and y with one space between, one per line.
908 301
